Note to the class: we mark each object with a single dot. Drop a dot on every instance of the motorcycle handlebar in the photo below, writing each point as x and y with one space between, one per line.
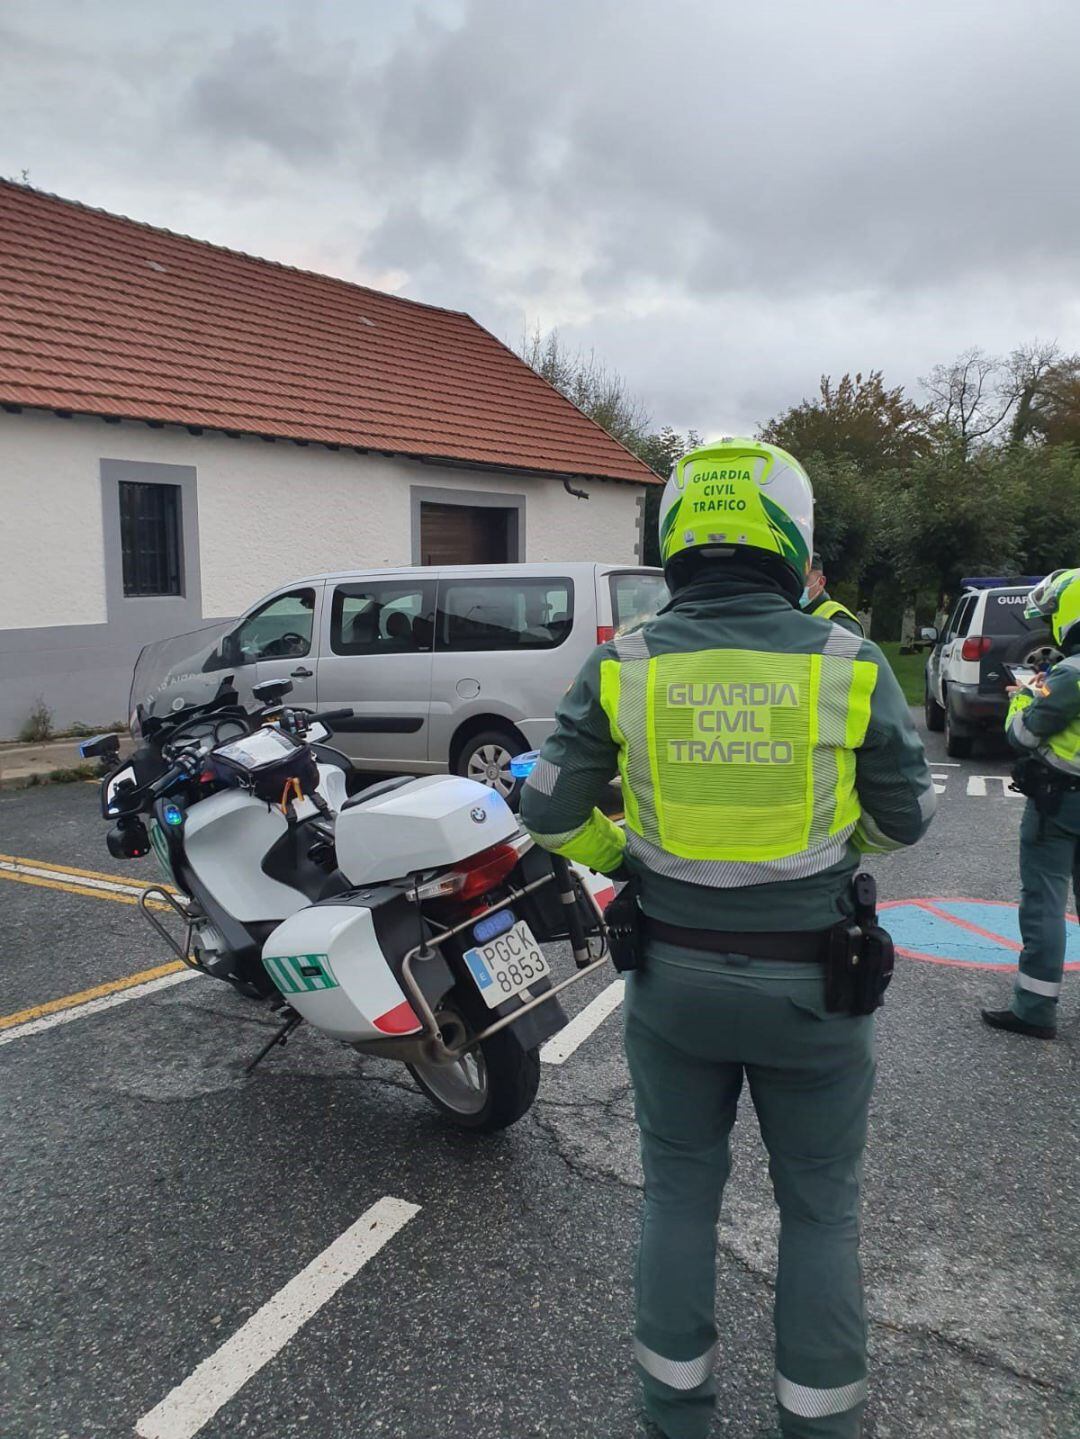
330 716
166 780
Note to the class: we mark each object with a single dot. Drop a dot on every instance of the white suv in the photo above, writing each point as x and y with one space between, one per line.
965 678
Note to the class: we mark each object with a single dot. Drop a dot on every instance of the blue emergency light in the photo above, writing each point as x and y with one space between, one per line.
521 767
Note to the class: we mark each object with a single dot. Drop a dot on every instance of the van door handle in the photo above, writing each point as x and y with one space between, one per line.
303 673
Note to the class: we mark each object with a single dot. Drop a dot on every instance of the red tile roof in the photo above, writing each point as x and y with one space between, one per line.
102 315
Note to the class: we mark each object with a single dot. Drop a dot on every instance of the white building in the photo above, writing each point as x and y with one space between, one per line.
185 428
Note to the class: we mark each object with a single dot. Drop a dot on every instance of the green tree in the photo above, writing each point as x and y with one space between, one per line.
660 450
599 392
857 419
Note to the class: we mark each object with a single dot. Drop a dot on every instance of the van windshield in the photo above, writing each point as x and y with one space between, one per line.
636 595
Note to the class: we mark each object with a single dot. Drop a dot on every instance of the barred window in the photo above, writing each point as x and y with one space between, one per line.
150 539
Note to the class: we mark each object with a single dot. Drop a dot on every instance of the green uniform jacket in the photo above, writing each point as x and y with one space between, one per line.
831 609
892 779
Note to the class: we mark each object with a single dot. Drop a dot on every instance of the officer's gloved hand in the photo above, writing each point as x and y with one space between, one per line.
620 875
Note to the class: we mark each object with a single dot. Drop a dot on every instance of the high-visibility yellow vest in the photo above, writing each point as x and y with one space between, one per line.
738 766
1061 750
829 609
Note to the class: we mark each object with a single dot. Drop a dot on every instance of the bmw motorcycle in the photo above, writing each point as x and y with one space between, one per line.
406 920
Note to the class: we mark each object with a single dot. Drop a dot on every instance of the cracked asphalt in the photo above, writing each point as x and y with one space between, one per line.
154 1198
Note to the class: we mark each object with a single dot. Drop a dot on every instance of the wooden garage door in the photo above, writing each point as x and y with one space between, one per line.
463 535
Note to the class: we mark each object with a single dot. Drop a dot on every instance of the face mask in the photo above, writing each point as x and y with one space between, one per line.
804 598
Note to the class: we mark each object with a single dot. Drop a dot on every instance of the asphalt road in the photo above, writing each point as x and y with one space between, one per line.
155 1198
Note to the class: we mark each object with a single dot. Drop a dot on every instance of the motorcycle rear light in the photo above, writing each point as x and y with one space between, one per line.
604 897
472 877
605 634
399 1020
974 647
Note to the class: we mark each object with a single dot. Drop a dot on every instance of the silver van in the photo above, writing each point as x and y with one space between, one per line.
456 668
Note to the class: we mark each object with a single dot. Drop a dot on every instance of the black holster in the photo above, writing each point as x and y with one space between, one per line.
624 923
1042 785
860 955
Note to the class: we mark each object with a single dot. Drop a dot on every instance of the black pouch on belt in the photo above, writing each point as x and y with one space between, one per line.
623 921
860 958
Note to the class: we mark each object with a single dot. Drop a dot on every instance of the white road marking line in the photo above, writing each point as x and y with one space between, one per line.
84 881
561 1046
94 1006
977 783
184 1411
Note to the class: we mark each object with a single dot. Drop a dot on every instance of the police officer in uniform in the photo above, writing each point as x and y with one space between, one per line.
816 600
762 751
1043 724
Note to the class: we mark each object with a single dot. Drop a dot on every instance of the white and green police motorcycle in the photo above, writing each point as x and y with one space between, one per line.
405 920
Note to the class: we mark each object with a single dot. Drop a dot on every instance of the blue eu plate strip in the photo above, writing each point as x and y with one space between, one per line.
478 968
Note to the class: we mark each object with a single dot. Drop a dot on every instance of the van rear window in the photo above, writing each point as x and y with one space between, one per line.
1005 615
522 614
635 598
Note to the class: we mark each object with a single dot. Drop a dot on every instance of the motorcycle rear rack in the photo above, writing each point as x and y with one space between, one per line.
438 1049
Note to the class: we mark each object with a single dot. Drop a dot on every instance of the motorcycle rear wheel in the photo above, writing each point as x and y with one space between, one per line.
489 1088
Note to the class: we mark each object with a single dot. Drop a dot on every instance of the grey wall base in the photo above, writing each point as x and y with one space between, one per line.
82 672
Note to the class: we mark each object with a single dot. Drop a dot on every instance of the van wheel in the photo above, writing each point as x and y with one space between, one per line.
935 715
486 758
957 746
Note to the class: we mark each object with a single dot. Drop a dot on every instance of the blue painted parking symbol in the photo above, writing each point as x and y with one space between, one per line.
967 933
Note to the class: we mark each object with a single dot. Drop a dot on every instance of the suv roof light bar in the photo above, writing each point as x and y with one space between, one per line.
1000 582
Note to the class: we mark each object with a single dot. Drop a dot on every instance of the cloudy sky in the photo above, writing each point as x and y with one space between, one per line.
724 200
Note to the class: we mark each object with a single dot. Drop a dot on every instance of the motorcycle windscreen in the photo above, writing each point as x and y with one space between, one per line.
180 671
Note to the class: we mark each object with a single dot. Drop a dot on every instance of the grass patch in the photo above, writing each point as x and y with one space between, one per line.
910 670
64 776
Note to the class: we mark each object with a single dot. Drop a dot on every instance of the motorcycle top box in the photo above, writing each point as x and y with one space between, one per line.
414 825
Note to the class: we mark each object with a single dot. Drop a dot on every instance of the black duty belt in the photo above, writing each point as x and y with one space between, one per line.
805 946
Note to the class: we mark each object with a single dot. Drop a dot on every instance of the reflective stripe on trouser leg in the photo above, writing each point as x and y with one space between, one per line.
676 1373
810 1403
1048 855
1038 986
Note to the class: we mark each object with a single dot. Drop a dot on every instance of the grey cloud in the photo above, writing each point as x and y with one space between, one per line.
258 89
724 200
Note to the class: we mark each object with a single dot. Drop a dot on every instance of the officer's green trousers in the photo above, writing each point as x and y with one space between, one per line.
696 1025
1049 864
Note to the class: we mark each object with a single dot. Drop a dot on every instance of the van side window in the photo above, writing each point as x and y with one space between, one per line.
521 614
281 629
386 617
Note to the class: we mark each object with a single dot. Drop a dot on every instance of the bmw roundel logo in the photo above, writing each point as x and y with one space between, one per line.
478 815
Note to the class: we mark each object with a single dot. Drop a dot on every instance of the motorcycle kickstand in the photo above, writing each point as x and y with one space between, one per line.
281 1036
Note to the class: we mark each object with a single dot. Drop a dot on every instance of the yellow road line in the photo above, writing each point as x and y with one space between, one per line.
70 869
68 1001
78 889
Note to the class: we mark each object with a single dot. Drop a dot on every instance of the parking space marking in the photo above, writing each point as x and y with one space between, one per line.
118 892
561 1046
47 866
40 1017
185 1409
